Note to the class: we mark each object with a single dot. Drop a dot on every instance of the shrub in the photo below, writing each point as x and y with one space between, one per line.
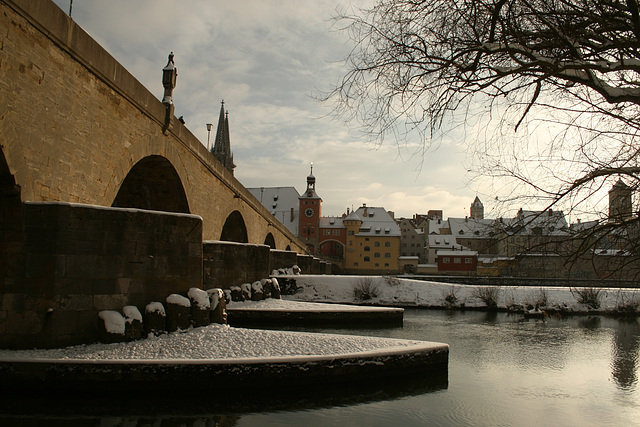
450 298
627 305
588 296
392 281
539 299
365 289
488 295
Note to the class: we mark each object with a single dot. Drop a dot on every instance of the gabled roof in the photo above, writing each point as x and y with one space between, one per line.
376 222
331 222
471 228
279 201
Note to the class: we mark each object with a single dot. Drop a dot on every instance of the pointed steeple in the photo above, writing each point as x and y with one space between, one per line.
222 145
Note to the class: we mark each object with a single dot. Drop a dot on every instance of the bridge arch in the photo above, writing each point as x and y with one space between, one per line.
152 183
270 241
332 249
234 229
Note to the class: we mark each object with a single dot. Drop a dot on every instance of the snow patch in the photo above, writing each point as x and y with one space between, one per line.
114 322
178 300
155 307
131 313
199 297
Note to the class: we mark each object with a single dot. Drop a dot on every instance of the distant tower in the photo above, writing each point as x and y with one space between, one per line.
620 207
477 209
222 146
310 205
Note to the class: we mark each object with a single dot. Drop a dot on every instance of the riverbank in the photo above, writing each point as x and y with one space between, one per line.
402 292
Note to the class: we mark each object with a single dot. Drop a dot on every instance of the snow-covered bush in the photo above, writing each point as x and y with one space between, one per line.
537 299
488 295
450 298
627 305
591 297
365 289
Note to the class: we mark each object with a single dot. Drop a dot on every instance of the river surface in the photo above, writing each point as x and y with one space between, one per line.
503 371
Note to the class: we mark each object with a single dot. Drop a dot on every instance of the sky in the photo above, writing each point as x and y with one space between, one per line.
269 61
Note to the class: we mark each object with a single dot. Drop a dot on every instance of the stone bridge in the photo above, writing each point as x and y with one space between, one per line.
106 199
75 126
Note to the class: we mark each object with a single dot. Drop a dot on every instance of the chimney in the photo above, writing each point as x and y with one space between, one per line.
292 216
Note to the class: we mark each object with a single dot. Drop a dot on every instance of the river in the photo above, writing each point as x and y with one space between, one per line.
504 370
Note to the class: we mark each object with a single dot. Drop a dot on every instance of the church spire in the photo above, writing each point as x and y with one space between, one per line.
222 146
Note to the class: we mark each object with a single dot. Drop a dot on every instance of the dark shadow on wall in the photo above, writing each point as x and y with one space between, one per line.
153 184
234 229
270 241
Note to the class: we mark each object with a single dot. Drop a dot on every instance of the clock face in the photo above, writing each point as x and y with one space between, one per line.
308 212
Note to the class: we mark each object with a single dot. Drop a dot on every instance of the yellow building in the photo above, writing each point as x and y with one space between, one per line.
373 241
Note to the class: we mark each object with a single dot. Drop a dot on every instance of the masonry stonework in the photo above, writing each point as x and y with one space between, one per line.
74 122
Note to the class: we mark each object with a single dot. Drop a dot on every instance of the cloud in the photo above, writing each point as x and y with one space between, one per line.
266 59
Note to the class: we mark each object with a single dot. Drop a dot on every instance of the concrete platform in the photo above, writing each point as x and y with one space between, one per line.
275 311
421 359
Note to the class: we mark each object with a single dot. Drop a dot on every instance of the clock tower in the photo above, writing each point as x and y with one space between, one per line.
310 205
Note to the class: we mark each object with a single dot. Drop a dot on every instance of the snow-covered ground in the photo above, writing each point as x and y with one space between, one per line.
391 291
224 343
289 305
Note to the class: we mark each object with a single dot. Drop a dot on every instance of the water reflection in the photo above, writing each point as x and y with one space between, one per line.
503 370
626 348
196 408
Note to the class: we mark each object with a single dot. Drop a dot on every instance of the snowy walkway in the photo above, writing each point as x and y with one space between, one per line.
278 311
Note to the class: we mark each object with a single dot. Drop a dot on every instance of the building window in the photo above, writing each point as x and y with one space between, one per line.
457 261
326 232
386 264
387 244
387 255
350 233
367 259
468 261
355 264
404 245
446 260
376 255
376 244
366 239
377 265
350 242
367 248
336 232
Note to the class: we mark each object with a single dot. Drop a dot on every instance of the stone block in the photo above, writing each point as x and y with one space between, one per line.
111 326
275 289
218 312
200 307
256 291
155 318
178 313
246 291
266 288
133 323
236 294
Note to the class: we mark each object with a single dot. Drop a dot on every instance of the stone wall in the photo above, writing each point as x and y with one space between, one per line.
227 264
282 259
76 260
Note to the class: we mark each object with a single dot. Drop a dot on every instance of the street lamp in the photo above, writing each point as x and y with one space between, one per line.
208 133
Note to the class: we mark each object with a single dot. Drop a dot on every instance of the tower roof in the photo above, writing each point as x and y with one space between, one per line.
222 146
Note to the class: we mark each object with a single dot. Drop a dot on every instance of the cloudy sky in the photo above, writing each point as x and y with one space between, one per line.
268 60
